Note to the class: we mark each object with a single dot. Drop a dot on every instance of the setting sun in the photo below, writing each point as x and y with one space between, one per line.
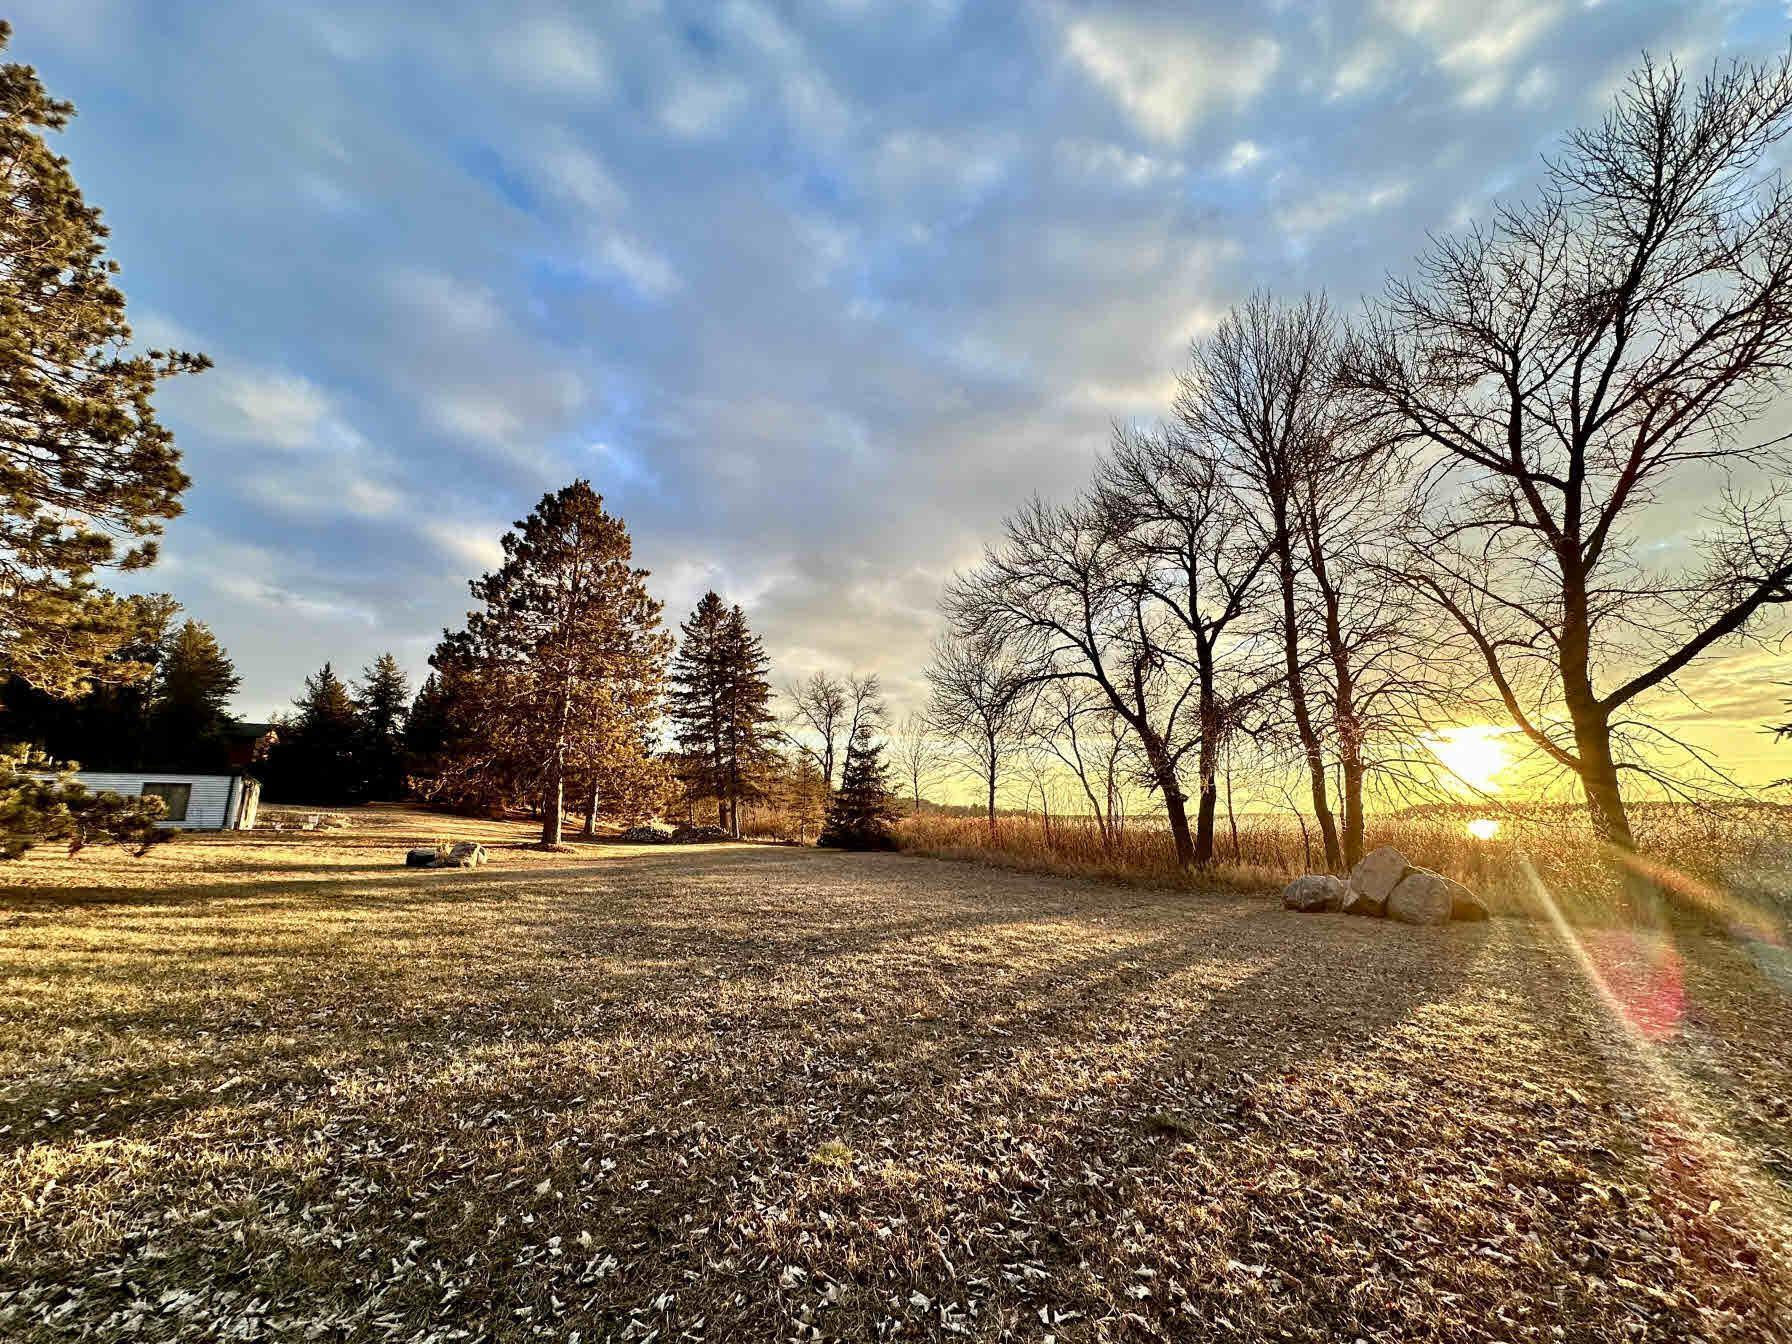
1473 754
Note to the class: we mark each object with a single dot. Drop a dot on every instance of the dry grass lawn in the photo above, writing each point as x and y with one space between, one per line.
276 1087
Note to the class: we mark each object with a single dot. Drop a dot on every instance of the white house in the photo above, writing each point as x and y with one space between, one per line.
195 802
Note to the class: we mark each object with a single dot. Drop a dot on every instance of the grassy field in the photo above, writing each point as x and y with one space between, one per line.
1730 863
276 1087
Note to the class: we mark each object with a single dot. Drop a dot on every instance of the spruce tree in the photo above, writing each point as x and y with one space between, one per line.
315 759
87 473
383 702
720 707
862 812
189 712
695 703
566 618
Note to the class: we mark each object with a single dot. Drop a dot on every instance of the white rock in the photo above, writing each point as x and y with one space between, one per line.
1421 898
1372 880
1314 892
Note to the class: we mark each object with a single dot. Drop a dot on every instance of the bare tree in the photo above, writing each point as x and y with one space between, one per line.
864 704
818 709
982 704
1255 397
826 712
1187 540
915 750
1589 354
1063 594
1077 727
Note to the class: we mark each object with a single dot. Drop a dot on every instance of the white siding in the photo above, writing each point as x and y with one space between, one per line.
205 806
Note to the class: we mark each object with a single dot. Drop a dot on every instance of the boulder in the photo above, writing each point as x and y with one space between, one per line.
466 854
1465 904
424 857
1313 893
1420 898
1373 880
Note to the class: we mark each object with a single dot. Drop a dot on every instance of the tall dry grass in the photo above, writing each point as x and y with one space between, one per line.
1724 861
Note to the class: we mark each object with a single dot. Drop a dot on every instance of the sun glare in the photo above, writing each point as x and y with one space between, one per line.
1473 754
1483 828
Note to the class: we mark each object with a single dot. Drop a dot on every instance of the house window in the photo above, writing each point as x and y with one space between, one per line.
175 796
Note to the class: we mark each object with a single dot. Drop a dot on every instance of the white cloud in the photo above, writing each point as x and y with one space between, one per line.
573 173
477 415
1166 77
649 272
554 54
1322 210
701 107
440 303
275 408
1111 162
1245 154
1361 68
1477 43
910 160
623 467
475 544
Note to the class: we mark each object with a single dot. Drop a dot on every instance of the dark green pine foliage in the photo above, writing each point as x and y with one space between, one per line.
315 760
108 727
189 714
384 703
862 812
87 473
720 707
694 702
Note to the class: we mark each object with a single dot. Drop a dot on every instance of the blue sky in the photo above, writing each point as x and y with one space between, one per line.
813 292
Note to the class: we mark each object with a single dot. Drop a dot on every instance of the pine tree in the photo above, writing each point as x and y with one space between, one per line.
87 473
694 702
720 706
862 812
566 620
189 703
383 702
315 759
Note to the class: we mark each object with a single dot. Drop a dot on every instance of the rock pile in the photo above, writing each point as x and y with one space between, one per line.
466 854
645 835
697 835
1384 883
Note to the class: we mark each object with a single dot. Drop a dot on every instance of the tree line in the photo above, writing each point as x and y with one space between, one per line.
1348 532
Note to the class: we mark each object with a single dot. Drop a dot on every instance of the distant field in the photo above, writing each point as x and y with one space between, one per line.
277 1087
1733 863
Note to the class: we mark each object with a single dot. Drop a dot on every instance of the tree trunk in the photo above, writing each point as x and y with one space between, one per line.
1207 766
590 831
553 798
1231 816
1297 699
1175 801
1605 797
1593 744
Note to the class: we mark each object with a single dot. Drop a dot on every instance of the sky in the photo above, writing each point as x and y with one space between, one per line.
813 293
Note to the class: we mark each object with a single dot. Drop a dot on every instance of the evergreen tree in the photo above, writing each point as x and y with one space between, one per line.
107 727
694 703
87 473
383 703
315 760
720 706
188 712
567 640
862 812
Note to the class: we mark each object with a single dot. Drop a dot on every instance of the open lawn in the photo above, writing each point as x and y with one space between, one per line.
278 1087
